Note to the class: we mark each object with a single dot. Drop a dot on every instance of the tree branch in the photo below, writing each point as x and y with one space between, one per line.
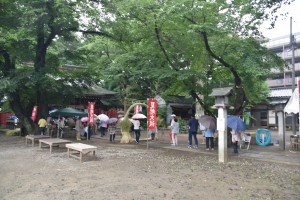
157 34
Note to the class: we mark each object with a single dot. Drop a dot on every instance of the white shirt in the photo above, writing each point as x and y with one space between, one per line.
136 124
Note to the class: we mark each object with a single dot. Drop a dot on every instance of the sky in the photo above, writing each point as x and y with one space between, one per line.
282 25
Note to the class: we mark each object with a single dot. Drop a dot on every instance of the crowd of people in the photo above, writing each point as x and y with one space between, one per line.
53 126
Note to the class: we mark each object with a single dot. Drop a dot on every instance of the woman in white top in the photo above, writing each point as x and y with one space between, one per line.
175 131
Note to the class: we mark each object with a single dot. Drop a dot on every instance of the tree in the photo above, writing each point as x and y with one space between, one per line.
198 39
30 56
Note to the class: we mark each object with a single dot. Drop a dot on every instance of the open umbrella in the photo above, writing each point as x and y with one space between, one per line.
112 120
68 112
84 119
208 121
236 123
103 117
138 116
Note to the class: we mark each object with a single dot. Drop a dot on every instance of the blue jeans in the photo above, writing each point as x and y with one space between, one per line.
191 134
42 130
137 135
102 131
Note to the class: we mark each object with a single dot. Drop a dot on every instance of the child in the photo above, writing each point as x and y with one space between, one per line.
175 131
112 133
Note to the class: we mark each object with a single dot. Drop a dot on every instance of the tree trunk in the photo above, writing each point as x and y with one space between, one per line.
21 113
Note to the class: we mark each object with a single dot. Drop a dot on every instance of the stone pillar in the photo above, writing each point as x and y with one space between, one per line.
281 129
221 102
222 136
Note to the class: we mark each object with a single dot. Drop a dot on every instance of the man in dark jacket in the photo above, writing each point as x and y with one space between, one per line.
193 128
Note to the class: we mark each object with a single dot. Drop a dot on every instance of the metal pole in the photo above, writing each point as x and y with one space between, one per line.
293 73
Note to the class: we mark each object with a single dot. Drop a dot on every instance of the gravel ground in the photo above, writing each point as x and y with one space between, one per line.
129 171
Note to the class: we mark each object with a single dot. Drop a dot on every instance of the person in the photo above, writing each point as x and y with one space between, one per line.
103 126
209 139
173 117
71 122
136 128
235 138
112 132
175 131
78 128
42 123
42 126
193 127
48 127
53 128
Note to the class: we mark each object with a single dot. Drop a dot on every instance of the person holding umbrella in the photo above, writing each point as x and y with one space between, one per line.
209 138
112 132
103 127
136 128
237 125
235 139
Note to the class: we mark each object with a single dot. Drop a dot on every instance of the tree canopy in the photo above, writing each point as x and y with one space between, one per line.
137 48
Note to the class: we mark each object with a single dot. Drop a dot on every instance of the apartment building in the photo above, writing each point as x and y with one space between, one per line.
280 82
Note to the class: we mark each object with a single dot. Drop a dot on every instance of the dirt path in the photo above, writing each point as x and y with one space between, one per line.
132 172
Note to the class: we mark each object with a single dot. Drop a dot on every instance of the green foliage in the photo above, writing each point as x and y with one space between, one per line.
137 48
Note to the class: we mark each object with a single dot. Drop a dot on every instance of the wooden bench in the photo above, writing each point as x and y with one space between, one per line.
80 149
34 138
53 141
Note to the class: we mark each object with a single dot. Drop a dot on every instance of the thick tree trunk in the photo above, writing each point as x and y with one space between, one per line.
21 113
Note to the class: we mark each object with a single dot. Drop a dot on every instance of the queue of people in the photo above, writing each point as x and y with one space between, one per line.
82 129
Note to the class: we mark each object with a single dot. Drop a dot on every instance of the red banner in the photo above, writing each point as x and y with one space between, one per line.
137 109
152 108
34 111
91 110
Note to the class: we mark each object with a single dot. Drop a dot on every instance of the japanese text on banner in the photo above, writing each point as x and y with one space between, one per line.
152 108
91 110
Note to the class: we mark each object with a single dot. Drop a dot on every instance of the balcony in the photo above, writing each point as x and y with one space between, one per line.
281 82
287 69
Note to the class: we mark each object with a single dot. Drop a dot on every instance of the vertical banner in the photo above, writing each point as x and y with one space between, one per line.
137 109
34 111
152 108
91 110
